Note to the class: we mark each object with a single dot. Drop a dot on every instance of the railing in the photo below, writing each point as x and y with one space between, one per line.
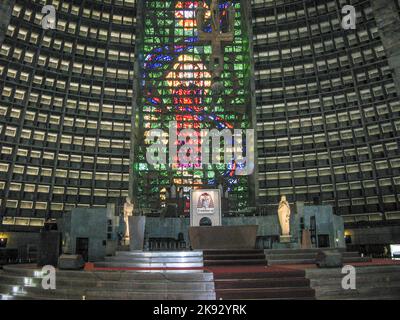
24 254
165 244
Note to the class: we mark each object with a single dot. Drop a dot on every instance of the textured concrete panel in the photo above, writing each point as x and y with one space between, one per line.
49 248
388 22
377 235
5 17
86 223
136 232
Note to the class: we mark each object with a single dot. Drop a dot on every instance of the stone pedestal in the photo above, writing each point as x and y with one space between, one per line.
285 239
136 232
329 259
287 245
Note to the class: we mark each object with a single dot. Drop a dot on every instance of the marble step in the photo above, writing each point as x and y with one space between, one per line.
159 254
24 282
302 260
94 293
291 261
117 285
265 293
278 299
364 297
260 275
299 251
288 256
160 265
127 295
371 282
261 283
245 256
304 255
356 259
140 259
232 251
123 275
363 292
154 259
362 280
364 270
247 262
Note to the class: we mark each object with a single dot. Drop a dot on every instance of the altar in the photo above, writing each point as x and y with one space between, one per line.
223 237
206 230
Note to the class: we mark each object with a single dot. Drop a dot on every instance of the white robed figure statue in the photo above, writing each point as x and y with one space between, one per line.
128 211
284 219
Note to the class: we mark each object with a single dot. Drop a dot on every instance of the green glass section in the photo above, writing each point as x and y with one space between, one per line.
176 86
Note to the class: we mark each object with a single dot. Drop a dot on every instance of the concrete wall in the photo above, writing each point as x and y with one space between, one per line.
5 16
327 223
86 223
377 235
21 239
388 22
166 227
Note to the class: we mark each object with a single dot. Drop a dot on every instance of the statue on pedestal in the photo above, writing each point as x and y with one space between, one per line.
284 219
128 211
231 16
173 192
200 16
215 16
216 38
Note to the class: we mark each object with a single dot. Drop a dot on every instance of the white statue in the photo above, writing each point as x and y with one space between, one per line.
284 216
200 16
173 192
215 16
128 211
221 189
231 16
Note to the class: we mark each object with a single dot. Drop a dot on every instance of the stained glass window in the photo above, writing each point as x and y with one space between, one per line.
176 86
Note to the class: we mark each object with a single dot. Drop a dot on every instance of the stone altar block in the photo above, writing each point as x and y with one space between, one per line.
223 237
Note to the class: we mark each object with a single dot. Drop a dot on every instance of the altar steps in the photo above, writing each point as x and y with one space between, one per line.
307 256
372 283
263 285
24 282
223 284
233 257
139 259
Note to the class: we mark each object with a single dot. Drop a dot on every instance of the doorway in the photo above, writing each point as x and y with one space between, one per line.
323 241
82 248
